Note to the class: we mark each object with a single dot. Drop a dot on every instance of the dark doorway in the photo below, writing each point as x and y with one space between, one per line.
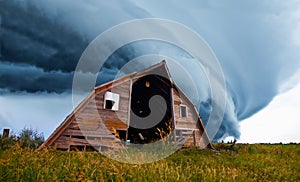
143 90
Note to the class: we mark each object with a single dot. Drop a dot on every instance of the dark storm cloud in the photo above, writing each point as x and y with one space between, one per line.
18 78
48 37
29 36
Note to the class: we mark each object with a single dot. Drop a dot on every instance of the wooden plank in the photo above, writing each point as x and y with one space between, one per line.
187 125
89 124
96 130
105 112
113 117
78 141
88 133
108 85
71 141
66 146
172 108
60 146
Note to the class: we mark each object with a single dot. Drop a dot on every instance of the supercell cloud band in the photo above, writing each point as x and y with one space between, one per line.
256 43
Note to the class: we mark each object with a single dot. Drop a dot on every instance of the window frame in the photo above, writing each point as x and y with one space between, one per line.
180 111
114 97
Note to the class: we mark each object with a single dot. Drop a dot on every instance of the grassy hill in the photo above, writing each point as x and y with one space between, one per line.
256 162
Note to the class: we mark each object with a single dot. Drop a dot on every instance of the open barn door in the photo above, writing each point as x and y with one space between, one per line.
151 114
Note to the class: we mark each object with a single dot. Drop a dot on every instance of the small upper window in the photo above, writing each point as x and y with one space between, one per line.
183 111
111 101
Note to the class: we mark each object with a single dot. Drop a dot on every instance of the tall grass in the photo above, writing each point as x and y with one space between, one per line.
244 163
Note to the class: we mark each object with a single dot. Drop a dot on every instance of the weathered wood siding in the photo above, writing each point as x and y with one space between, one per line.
189 125
92 125
116 119
184 122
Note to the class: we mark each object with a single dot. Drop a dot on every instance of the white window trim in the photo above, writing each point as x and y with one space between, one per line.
186 111
112 97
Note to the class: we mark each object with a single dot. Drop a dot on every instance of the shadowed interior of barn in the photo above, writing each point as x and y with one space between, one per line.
143 90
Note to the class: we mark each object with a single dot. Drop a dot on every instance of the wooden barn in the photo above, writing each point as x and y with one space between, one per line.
113 115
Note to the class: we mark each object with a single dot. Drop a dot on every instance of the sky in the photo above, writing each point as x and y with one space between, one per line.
256 42
278 122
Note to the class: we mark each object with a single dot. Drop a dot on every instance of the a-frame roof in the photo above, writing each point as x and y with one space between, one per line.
157 69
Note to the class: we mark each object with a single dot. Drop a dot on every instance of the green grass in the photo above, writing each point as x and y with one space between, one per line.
259 162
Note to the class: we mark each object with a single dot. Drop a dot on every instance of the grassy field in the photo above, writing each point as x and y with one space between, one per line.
259 162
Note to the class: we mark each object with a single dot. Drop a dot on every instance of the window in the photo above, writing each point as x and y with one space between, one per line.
111 101
183 111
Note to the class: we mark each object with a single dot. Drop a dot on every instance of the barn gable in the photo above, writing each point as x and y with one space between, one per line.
104 119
